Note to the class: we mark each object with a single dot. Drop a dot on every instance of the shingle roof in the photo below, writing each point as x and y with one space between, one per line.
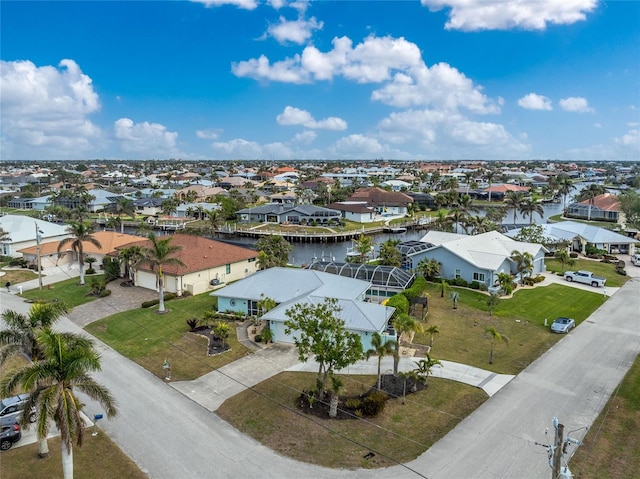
380 197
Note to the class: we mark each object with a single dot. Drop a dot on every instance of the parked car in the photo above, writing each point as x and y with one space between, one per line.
585 277
563 325
10 432
13 406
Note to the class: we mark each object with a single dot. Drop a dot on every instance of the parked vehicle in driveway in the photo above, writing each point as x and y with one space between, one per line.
563 325
635 259
585 277
13 406
10 432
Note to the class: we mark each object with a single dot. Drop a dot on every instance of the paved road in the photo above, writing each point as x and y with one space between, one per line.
170 436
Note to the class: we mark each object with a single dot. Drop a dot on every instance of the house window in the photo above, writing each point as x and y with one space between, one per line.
478 277
228 269
457 273
252 260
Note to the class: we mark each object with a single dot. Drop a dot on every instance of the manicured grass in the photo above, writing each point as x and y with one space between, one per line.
98 458
609 225
462 335
148 338
16 276
401 432
69 292
611 449
606 270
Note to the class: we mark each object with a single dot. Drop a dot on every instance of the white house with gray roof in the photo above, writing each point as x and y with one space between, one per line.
478 258
288 286
22 233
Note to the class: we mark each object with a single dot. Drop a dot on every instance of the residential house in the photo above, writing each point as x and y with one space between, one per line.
605 207
498 192
207 263
289 287
109 241
294 214
581 235
358 211
23 230
385 203
475 258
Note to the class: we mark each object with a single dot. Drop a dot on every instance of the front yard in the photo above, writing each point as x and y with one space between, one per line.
606 270
69 292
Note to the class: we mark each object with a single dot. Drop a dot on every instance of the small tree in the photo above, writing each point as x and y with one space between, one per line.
267 333
337 386
321 335
454 296
424 367
506 283
379 348
492 302
495 336
221 330
563 258
432 331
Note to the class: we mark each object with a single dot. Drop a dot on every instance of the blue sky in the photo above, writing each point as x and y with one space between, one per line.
282 80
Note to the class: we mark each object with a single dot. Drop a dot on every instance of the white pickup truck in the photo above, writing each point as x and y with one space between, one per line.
636 259
585 277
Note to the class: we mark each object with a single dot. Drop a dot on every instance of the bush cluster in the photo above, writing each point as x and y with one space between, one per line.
466 284
373 404
573 255
529 281
153 302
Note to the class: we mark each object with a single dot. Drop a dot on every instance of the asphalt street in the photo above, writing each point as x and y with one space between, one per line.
170 436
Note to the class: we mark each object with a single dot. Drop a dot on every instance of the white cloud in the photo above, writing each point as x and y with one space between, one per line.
244 4
473 15
624 147
150 139
210 134
305 138
295 116
630 138
44 110
597 125
575 104
358 146
533 101
286 71
239 148
441 87
451 135
294 31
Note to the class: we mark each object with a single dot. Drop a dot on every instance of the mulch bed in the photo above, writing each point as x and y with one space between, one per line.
391 385
216 344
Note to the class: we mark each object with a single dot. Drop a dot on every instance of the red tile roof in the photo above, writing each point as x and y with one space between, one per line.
606 202
380 197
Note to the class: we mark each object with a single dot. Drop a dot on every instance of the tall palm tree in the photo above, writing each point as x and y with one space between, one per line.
68 361
495 336
130 257
214 220
565 185
514 199
80 232
156 256
379 348
529 207
125 206
489 175
403 324
363 246
590 193
23 329
4 235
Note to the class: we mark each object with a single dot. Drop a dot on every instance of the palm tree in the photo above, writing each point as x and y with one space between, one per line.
22 330
337 386
565 185
4 235
481 224
563 258
80 232
125 206
156 256
524 262
590 193
68 361
442 222
432 331
214 220
495 336
529 207
403 323
492 302
424 367
514 199
363 246
379 348
506 283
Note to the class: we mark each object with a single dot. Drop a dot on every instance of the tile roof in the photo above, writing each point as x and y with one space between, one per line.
200 253
109 241
606 202
380 197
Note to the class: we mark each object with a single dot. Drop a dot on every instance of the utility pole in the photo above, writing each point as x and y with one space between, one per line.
38 263
558 444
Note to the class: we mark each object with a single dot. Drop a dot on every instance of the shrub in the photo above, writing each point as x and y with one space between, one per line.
258 338
192 323
373 404
90 271
400 302
111 267
573 255
475 285
153 302
353 403
105 293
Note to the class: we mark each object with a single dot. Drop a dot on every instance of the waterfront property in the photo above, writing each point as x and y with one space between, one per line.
605 207
289 214
22 233
287 287
480 258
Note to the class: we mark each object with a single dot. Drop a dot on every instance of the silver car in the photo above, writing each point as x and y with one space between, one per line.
13 406
563 325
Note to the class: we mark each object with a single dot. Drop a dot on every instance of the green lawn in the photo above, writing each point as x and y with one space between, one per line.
69 292
401 433
148 338
606 270
462 335
16 276
611 449
609 225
